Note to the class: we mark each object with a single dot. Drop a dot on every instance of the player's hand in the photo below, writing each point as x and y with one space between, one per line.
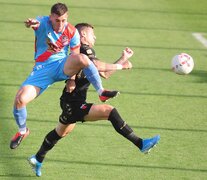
127 53
127 65
70 85
33 23
53 47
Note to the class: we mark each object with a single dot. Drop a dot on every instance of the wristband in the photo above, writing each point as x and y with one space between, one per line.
119 67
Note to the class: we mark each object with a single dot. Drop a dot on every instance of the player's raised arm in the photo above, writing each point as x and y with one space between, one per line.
105 67
127 53
121 63
32 23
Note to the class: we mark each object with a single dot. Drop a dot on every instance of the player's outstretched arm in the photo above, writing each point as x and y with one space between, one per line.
120 64
125 65
127 53
104 67
32 23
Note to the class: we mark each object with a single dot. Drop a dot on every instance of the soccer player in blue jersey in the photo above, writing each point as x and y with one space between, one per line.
53 38
75 108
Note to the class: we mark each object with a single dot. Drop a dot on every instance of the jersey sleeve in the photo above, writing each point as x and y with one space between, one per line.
75 40
42 20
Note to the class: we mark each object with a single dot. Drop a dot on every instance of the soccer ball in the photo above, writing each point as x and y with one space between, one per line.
182 63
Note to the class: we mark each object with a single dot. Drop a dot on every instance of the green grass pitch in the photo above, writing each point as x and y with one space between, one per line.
153 99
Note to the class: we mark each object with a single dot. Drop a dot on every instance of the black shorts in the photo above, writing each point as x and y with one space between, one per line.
73 111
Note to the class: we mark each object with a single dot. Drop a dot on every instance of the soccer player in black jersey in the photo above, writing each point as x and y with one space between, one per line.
75 108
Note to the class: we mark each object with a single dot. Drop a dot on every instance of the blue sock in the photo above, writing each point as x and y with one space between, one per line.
20 116
93 77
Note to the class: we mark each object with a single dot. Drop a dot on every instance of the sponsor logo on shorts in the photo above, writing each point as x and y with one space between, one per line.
83 106
63 119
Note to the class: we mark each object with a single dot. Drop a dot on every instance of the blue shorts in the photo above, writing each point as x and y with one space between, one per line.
44 75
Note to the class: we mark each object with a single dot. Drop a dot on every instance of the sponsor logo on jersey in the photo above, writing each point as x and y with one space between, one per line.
65 40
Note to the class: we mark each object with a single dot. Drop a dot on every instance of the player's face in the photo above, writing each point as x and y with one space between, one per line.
58 22
90 37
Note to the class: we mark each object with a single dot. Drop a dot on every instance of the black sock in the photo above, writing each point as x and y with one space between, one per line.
49 142
122 128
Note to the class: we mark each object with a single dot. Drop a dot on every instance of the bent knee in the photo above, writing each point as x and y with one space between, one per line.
25 95
108 109
83 60
63 130
64 134
20 101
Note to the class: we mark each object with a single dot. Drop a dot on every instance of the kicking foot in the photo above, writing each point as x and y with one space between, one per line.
148 144
17 139
107 94
36 166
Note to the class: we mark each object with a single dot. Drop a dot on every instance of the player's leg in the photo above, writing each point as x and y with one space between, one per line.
48 143
75 63
33 86
145 145
23 97
107 112
104 111
66 125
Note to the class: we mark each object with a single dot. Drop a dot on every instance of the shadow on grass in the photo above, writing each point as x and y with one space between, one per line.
130 166
127 92
201 74
110 8
164 95
95 124
153 47
122 45
106 164
15 175
153 128
17 61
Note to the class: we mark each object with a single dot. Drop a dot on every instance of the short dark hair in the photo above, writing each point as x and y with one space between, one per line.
81 26
59 9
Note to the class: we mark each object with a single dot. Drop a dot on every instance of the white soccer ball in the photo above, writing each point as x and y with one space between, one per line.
182 63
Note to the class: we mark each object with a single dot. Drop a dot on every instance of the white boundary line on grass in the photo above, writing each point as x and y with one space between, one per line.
200 38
